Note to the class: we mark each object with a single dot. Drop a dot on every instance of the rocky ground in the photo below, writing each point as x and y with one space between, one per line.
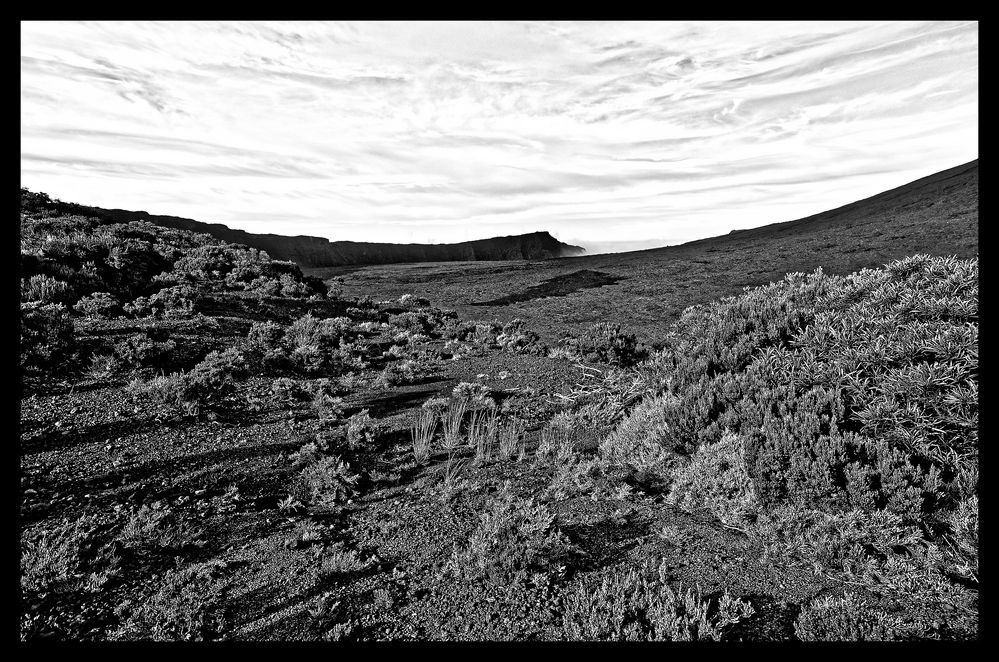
93 450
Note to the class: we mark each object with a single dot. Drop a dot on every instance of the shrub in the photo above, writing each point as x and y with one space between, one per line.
48 340
190 605
396 374
325 483
640 605
456 329
288 391
849 393
328 409
513 537
103 366
515 338
175 301
263 346
846 618
46 289
165 389
157 529
362 430
605 342
716 479
313 343
54 559
140 350
214 378
99 304
208 384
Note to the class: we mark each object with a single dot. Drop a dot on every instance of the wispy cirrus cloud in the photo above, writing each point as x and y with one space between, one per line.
451 131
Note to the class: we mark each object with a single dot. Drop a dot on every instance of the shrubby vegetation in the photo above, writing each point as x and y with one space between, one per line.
639 604
76 259
840 414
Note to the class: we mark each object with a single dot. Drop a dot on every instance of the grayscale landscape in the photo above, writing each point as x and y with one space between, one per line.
302 416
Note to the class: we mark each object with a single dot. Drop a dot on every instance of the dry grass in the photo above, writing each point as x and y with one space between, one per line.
451 419
511 439
423 434
482 433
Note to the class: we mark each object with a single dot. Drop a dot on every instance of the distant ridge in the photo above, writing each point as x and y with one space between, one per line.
315 252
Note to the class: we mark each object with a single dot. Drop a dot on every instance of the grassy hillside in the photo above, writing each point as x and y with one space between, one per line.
937 215
216 446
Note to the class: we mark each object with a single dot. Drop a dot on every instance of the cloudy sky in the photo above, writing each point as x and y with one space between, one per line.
610 135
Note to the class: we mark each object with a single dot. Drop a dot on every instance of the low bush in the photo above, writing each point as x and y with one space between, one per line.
716 479
325 483
48 339
328 409
605 342
847 618
99 304
158 530
55 559
362 430
46 289
140 350
513 538
638 604
190 605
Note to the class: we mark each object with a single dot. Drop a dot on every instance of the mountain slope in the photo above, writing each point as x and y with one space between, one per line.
313 252
646 290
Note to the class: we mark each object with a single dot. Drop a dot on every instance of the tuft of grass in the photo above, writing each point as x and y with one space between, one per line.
511 439
103 366
451 420
556 445
422 434
482 432
451 480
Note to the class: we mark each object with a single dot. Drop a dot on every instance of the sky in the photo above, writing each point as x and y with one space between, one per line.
610 135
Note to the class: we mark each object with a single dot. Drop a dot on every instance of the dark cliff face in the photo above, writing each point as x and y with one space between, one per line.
309 252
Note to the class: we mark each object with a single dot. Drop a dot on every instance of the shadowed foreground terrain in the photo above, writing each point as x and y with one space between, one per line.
216 446
936 215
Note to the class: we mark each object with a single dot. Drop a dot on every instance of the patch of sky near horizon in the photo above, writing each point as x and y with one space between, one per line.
605 134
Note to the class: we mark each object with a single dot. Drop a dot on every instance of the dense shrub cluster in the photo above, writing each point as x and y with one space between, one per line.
605 342
48 339
82 259
831 407
309 345
513 537
208 385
